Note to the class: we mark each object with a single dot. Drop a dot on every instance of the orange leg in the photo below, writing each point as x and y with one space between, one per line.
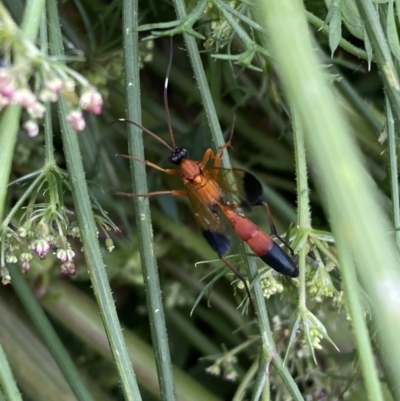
273 228
209 153
171 171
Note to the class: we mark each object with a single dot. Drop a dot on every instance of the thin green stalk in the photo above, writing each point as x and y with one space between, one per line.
48 136
32 16
88 230
21 201
262 372
7 382
201 79
268 346
141 204
357 314
9 123
303 200
303 191
49 336
394 183
382 52
352 198
48 126
246 382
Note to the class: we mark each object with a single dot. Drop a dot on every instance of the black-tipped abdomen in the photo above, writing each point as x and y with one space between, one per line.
280 261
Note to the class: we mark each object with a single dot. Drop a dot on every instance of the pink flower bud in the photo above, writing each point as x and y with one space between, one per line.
75 118
31 128
7 88
24 97
92 101
41 247
36 110
65 255
55 85
4 101
25 257
68 269
69 85
25 267
46 95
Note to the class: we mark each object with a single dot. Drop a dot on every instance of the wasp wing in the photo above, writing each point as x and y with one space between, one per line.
239 188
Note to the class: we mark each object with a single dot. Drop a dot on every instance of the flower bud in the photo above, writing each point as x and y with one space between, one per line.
75 118
92 101
31 128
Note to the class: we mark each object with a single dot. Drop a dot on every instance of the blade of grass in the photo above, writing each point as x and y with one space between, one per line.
7 382
88 229
48 334
142 209
349 193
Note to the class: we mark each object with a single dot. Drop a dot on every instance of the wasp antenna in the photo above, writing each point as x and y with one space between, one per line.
171 133
147 131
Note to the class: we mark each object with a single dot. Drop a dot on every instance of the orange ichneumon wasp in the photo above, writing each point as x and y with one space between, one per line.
210 192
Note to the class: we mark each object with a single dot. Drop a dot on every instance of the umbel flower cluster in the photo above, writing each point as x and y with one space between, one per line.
39 224
46 227
14 89
31 79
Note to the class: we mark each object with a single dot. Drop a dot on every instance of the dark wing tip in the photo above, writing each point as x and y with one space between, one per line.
252 188
219 242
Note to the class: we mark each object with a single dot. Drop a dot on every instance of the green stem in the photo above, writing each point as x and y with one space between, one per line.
357 314
10 120
141 204
21 201
303 200
48 126
382 52
246 382
201 79
394 183
7 382
88 230
49 336
358 221
8 137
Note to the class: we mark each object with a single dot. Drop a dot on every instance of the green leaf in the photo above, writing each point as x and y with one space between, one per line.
335 5
335 31
368 48
351 18
391 31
